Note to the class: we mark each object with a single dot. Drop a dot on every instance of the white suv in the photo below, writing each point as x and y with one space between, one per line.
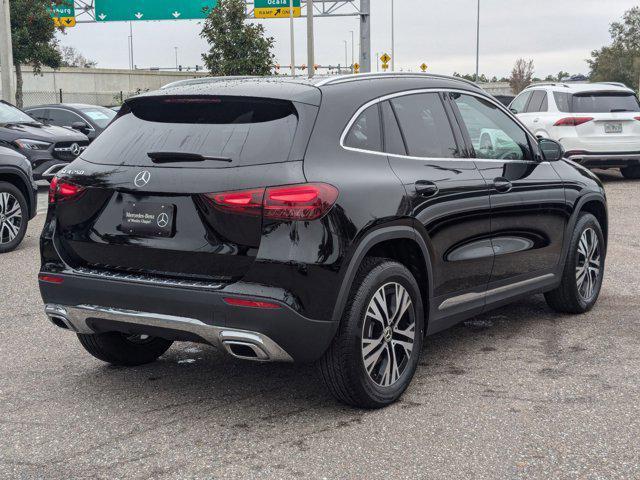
598 124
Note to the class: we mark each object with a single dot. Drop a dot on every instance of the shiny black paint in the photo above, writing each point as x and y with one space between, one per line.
468 247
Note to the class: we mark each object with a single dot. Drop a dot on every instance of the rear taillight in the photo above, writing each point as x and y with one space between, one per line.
61 190
308 201
572 121
637 118
248 202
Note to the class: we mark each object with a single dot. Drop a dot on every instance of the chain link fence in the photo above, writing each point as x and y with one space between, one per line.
105 99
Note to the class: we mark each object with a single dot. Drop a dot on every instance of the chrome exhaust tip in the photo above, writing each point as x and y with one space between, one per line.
58 316
246 351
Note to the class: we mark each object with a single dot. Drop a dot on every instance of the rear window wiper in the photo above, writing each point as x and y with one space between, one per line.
175 157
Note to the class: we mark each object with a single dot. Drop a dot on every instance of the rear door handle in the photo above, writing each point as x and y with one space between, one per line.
426 188
502 185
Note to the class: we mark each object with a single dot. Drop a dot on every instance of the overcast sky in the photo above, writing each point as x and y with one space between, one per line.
556 34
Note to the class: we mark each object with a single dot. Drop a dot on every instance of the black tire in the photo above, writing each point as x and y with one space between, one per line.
117 349
567 298
342 367
9 237
632 172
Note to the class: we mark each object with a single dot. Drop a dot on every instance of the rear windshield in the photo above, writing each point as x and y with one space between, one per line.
597 102
226 131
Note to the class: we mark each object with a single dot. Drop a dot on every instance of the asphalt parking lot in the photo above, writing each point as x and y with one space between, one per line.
516 393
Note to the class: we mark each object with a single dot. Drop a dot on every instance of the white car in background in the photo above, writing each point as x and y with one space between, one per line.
598 124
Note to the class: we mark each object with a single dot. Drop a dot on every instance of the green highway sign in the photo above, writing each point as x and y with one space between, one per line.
275 8
62 9
128 10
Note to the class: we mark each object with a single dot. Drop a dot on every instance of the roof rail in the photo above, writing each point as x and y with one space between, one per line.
548 84
375 75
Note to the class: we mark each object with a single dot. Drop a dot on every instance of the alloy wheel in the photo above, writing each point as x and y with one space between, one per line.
10 217
388 334
588 265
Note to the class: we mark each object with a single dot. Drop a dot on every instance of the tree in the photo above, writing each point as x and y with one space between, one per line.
620 61
73 58
33 37
236 48
521 75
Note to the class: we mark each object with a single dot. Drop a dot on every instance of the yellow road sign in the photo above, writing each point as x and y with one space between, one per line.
66 22
385 58
423 67
356 67
385 66
281 12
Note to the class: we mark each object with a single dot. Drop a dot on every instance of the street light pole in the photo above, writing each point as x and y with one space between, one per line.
293 45
352 53
478 43
6 53
393 38
133 65
311 61
346 57
176 49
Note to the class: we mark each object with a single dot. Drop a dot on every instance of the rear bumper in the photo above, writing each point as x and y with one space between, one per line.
87 304
605 160
89 319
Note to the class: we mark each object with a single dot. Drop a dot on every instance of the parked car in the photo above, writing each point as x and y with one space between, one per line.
48 148
598 124
504 99
18 198
337 220
88 119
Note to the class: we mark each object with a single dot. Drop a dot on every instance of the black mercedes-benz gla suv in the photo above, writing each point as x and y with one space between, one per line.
338 220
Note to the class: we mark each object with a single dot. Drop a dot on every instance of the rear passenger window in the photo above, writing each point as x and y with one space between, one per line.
365 132
538 102
425 126
563 101
393 142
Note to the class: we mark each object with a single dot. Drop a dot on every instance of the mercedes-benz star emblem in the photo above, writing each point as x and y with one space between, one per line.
75 149
142 178
163 220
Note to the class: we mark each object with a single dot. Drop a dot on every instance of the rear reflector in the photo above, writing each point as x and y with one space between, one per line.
43 277
61 190
572 121
242 302
307 201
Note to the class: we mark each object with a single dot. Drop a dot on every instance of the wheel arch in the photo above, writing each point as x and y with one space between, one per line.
598 209
16 178
400 243
595 204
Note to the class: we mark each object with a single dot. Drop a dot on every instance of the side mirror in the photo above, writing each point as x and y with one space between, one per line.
80 126
514 111
551 150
